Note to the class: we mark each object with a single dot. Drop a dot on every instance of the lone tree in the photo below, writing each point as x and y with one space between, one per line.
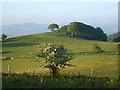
4 36
55 56
53 27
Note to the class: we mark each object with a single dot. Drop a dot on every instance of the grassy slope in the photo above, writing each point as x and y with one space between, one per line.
22 46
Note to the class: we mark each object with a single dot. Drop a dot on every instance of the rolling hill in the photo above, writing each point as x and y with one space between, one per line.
17 52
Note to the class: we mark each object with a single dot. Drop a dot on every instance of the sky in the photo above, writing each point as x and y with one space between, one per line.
59 0
59 12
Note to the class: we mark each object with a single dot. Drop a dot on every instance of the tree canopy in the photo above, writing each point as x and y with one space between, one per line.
63 28
114 37
117 39
54 55
86 31
4 36
53 27
74 28
78 29
100 34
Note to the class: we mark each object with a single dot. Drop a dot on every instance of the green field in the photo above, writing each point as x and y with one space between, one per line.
104 64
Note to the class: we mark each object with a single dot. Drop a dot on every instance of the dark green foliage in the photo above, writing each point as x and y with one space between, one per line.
53 27
86 31
101 36
64 81
4 36
63 28
54 55
74 28
78 29
117 39
114 37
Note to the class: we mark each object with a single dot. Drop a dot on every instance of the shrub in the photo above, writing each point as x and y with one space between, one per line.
97 48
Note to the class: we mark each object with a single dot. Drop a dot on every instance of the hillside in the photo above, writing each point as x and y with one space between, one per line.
20 47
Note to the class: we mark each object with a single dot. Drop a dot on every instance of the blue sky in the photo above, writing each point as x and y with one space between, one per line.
61 13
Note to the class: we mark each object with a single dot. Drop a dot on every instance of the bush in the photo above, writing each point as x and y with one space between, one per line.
97 48
4 36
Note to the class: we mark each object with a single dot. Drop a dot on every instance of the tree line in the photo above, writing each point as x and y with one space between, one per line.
114 37
78 29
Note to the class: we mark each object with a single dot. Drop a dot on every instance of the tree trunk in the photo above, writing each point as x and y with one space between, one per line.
52 30
54 71
72 34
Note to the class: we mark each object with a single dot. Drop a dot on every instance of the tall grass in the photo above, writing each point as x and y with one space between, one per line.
64 81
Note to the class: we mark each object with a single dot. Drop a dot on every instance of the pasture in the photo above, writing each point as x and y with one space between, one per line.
103 64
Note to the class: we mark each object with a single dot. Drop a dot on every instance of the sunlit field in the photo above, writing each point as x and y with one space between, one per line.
16 53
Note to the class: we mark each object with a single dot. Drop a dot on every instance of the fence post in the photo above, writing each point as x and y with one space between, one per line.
29 71
92 72
34 73
8 68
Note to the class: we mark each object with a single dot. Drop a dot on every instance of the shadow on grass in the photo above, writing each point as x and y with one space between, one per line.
16 44
56 34
4 52
10 40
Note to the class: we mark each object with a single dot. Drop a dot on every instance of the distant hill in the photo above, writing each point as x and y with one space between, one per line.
21 29
31 28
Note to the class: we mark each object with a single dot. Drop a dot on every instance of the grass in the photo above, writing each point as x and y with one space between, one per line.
44 81
104 64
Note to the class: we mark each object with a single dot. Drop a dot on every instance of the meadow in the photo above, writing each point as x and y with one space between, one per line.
16 53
